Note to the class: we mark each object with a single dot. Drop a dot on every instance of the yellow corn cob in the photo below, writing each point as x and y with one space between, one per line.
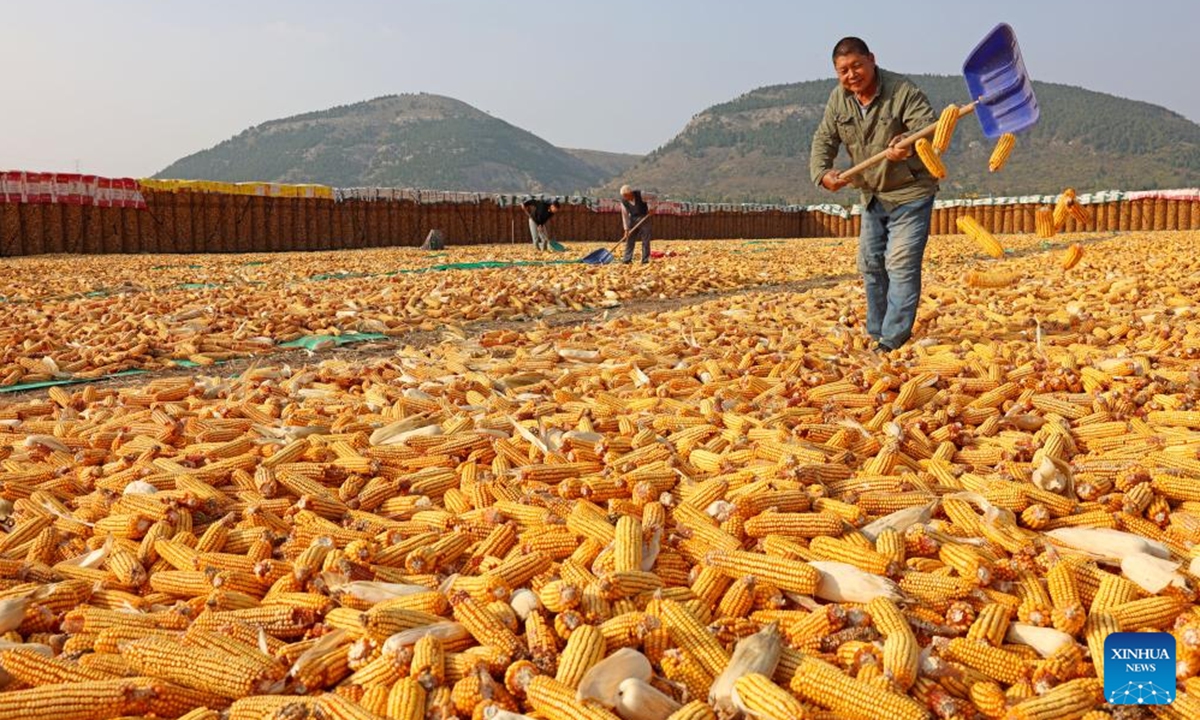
945 129
890 544
991 625
930 158
1004 148
1153 612
689 634
483 626
970 227
204 670
201 714
33 669
77 701
865 559
628 548
1114 590
887 618
1068 614
681 666
584 648
1072 256
993 279
739 599
617 585
336 707
695 710
798 524
710 585
555 701
1080 213
936 588
1071 699
429 662
901 656
760 697
1062 207
993 662
989 698
789 575
825 685
968 562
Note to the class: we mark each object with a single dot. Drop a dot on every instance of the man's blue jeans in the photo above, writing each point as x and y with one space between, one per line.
890 250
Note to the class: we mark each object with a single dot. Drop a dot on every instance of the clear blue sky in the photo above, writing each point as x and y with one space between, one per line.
125 87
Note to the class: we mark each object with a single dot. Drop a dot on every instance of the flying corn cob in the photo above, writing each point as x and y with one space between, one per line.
932 162
986 241
1004 148
1080 213
1063 207
945 129
1072 256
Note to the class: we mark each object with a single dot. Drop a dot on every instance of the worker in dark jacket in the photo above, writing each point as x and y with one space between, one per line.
634 210
540 213
869 111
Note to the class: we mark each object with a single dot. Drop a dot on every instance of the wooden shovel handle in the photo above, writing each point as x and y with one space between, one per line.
629 232
907 141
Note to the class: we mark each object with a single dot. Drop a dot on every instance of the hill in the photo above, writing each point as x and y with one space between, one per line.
416 140
756 147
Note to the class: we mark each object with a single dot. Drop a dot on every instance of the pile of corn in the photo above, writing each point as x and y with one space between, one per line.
724 509
61 320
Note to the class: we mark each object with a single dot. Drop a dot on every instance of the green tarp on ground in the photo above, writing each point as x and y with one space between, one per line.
339 276
311 342
491 264
65 381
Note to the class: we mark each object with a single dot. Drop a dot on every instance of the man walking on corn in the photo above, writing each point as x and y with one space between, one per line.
868 112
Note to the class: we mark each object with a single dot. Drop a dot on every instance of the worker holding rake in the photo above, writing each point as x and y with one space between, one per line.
635 214
868 112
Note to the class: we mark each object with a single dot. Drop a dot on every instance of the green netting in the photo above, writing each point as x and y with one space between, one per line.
491 264
338 276
311 342
253 264
168 267
198 286
65 381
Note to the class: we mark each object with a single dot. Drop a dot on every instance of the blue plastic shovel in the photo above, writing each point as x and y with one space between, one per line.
999 83
603 256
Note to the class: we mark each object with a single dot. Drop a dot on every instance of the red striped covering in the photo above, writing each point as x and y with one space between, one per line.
20 186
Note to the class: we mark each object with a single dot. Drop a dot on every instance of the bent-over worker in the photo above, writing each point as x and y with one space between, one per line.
540 213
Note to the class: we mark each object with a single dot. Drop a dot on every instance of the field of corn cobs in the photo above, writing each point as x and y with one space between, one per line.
682 491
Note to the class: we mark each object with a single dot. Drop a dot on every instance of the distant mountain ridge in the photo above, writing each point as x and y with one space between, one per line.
756 147
416 140
753 148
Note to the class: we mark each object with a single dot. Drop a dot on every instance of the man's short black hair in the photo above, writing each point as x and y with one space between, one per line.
850 46
555 203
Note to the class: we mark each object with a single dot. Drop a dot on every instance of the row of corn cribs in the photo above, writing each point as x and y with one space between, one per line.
598 525
1048 221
